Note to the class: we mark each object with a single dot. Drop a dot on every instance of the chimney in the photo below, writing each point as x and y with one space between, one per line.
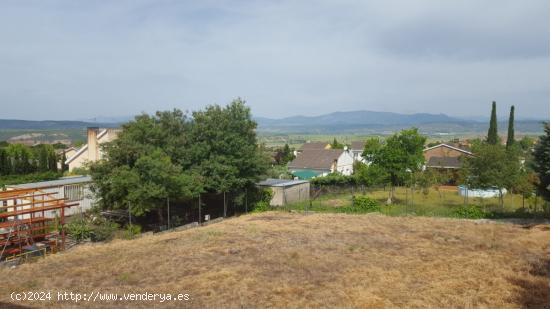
93 149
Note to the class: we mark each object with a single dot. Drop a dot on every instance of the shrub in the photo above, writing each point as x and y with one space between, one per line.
469 212
333 179
363 203
103 231
95 230
263 201
131 231
79 229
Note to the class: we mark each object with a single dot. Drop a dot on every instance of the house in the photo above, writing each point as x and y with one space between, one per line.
315 146
286 191
321 162
69 152
91 152
445 157
357 149
74 190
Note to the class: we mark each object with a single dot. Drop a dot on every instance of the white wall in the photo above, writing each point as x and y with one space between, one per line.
344 164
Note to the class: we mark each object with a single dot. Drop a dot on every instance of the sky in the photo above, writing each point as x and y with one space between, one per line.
85 59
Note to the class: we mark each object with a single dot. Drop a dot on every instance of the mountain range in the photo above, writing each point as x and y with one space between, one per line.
338 122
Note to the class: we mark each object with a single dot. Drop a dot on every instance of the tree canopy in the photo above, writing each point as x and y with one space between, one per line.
397 156
168 155
541 162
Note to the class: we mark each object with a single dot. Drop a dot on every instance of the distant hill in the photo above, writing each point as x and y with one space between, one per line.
360 118
371 122
14 124
361 122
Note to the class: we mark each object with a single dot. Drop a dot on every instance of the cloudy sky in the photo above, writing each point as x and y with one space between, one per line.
81 59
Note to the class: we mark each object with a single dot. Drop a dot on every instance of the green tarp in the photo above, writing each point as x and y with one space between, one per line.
306 174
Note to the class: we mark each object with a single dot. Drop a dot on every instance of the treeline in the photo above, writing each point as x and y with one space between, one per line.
18 159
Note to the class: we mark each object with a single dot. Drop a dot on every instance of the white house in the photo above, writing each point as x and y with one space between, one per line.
357 149
321 162
91 152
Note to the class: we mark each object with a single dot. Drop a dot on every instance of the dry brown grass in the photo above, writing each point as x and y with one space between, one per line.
296 261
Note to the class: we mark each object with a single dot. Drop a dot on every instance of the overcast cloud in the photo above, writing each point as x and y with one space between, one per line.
80 59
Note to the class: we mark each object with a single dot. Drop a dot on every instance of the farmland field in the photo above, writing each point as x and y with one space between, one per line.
290 260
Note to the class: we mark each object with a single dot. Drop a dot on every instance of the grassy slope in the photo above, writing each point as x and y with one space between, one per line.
325 260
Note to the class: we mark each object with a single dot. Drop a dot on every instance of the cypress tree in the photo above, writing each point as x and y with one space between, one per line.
5 167
510 139
492 135
64 166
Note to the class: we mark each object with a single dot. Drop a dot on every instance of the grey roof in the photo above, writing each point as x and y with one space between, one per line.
280 182
314 146
358 145
316 159
444 162
53 183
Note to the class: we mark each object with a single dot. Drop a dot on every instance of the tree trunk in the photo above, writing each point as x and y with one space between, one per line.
160 216
390 196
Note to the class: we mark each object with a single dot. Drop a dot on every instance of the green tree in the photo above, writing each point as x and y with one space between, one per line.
224 149
287 154
21 157
541 162
398 155
510 138
5 163
167 156
64 166
372 147
526 144
491 166
369 174
492 134
143 166
336 145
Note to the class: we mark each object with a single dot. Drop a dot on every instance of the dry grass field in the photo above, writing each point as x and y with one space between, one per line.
289 260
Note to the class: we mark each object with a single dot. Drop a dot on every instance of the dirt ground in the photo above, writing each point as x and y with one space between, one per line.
288 260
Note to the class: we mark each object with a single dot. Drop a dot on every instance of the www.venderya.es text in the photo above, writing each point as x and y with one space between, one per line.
96 296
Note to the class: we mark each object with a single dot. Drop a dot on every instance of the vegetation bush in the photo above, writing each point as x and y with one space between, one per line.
94 229
103 231
363 203
469 212
33 177
263 200
333 179
131 231
79 229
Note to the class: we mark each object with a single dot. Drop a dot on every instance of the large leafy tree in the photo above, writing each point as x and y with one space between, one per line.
541 162
143 166
492 134
398 156
168 156
492 166
223 148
